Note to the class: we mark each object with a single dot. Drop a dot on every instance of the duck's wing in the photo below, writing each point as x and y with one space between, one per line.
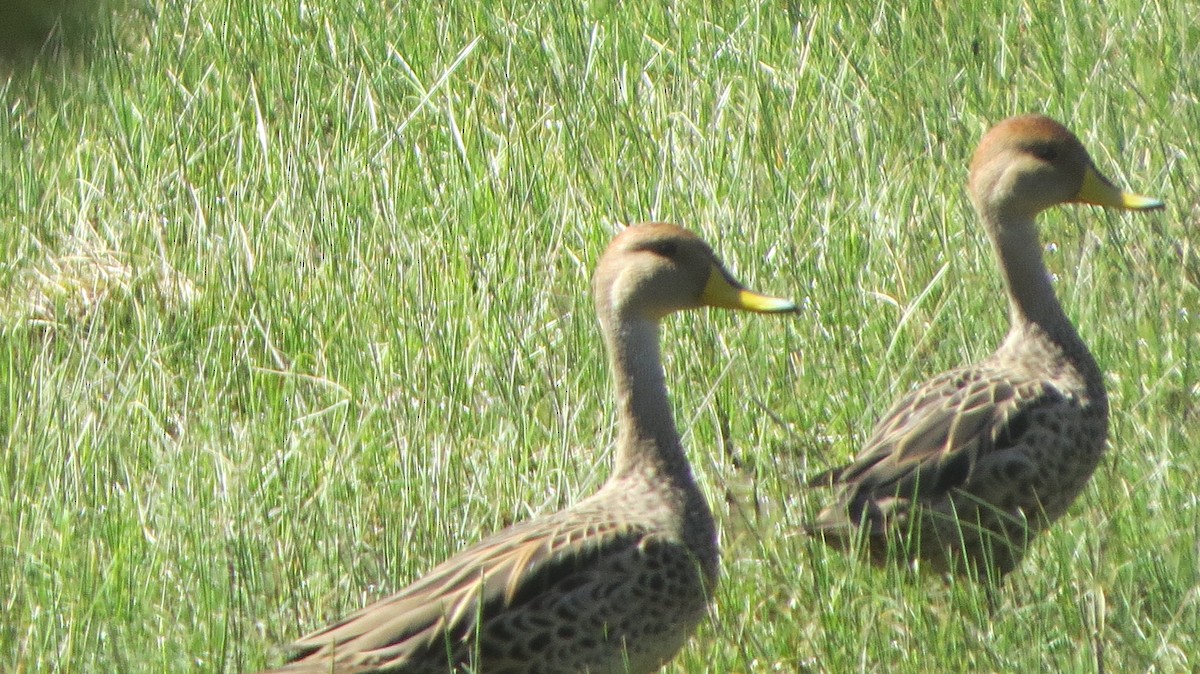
437 613
932 440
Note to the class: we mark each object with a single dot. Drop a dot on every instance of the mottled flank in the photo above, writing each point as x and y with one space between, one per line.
965 470
616 583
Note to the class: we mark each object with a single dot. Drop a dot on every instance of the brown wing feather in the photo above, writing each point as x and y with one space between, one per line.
931 440
448 600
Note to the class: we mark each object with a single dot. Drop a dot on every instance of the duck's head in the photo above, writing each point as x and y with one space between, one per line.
653 269
1027 164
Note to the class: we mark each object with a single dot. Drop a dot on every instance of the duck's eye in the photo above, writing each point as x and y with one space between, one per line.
1044 152
664 248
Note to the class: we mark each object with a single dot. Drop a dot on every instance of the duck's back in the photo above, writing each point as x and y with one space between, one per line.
609 585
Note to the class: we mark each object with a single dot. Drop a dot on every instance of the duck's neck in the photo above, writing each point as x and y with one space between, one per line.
1036 315
1032 301
647 440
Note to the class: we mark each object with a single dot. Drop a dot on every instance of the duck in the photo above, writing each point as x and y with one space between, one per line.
616 582
970 466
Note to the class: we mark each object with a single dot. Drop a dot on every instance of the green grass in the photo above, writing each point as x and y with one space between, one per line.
293 305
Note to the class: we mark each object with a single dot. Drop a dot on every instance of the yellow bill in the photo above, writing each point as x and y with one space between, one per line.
1099 191
722 291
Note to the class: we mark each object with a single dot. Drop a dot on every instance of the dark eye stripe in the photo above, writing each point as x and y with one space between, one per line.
1044 152
664 248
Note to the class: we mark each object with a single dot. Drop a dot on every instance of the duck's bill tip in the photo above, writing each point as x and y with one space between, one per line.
765 304
722 292
1098 191
1138 202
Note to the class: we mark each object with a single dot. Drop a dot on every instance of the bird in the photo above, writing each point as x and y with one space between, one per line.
615 583
967 468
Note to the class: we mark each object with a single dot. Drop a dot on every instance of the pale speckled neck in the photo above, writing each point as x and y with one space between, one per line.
1034 309
647 440
1030 293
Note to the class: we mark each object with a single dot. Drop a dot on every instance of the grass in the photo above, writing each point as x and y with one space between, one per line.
293 305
